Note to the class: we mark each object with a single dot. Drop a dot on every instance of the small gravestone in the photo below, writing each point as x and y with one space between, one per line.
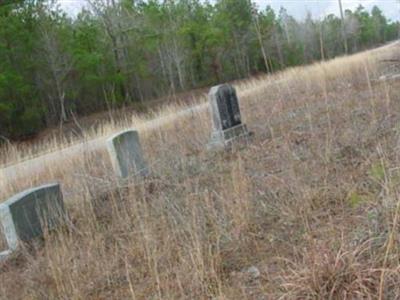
26 215
127 155
227 121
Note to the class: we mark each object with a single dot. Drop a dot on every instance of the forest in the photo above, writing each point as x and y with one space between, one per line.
55 67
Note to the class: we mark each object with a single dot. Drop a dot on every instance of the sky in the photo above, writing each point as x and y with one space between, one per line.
321 8
296 8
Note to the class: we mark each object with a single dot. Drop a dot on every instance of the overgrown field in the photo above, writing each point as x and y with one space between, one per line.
309 209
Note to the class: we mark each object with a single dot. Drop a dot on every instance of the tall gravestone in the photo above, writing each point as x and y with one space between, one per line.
26 215
227 121
127 155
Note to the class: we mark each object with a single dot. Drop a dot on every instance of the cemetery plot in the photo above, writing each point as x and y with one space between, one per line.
28 214
127 155
227 121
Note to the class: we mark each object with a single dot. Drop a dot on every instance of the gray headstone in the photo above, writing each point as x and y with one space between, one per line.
26 215
127 155
227 121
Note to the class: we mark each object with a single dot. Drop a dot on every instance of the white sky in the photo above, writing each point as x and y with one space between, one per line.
296 8
320 8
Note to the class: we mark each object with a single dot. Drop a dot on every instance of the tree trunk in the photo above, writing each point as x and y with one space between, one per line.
279 49
346 50
321 43
260 40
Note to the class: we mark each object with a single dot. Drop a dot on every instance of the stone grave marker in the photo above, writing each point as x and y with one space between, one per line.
127 155
227 121
27 214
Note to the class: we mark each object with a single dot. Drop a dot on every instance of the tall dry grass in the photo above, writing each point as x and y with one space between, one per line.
308 210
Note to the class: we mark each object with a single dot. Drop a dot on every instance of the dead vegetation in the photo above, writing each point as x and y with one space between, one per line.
308 210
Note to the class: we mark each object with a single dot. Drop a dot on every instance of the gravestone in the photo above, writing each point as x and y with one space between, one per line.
27 214
127 155
227 121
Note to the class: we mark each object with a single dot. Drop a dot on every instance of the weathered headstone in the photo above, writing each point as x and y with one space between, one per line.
27 214
127 155
227 121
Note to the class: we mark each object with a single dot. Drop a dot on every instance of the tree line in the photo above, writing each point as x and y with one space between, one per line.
54 67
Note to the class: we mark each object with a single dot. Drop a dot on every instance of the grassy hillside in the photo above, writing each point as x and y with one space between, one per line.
308 210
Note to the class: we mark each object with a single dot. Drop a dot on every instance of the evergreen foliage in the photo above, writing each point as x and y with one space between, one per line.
53 66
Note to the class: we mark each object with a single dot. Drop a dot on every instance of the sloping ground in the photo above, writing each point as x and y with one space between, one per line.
87 128
308 210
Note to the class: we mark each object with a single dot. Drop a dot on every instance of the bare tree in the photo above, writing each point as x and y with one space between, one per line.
110 14
59 65
343 28
321 40
260 39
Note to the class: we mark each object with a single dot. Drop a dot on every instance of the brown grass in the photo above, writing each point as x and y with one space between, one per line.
312 202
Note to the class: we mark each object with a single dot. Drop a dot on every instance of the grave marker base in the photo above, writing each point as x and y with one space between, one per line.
5 254
225 138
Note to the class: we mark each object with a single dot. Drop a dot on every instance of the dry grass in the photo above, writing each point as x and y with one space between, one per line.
312 202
